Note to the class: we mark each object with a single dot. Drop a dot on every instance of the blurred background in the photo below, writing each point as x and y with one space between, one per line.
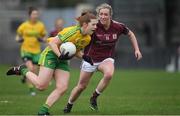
155 23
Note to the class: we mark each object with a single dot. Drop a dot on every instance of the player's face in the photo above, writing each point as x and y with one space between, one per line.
59 24
91 26
34 15
104 16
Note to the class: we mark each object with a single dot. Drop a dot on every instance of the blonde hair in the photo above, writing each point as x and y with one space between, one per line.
103 6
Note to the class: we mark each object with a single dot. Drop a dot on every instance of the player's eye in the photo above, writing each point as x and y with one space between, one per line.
105 14
101 14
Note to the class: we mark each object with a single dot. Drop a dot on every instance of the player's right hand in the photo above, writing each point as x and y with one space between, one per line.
64 56
87 59
138 55
20 40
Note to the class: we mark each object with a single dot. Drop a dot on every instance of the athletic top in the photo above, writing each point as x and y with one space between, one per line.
73 34
103 41
30 33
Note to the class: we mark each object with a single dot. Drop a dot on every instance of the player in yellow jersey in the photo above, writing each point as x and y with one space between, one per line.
30 33
53 63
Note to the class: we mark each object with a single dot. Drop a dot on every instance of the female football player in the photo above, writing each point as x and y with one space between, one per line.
100 51
54 63
30 33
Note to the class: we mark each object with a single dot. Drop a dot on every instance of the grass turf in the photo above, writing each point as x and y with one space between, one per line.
137 92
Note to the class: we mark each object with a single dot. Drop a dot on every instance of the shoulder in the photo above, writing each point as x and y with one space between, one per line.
24 23
121 27
40 23
118 24
69 30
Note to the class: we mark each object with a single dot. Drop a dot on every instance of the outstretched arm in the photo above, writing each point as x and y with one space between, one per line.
134 43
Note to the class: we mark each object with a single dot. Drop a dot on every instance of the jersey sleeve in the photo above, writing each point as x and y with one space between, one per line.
20 29
43 31
124 28
61 35
66 33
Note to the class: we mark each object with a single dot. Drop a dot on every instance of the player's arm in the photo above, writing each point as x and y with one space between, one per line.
19 37
42 39
134 43
86 58
54 45
43 34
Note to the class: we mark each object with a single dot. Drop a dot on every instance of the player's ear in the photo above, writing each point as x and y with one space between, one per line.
85 25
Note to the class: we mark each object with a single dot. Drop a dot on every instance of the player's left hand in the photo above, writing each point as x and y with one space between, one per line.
87 59
138 54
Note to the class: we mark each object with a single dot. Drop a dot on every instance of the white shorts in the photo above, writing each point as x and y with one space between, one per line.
92 68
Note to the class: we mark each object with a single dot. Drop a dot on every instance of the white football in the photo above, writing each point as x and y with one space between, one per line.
68 47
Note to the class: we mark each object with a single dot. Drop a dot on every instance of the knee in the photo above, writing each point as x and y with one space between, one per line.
62 88
108 76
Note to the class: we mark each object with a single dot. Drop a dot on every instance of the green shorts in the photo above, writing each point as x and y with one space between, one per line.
50 60
30 56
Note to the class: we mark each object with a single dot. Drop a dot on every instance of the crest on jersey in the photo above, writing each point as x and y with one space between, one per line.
114 36
49 62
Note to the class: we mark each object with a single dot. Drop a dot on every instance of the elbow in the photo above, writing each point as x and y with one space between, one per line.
50 44
53 41
131 35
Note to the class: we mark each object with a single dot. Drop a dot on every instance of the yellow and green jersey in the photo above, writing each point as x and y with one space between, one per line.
30 32
70 34
73 34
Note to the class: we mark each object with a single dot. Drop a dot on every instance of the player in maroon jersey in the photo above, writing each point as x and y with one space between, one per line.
59 25
99 55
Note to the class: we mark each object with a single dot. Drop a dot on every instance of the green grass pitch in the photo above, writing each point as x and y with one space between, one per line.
137 92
